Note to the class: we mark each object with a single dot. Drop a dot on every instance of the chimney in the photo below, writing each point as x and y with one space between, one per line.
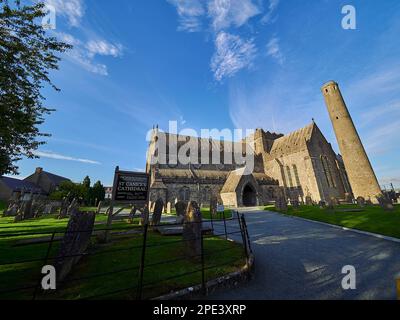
39 170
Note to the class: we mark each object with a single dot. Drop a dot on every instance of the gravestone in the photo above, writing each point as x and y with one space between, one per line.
12 210
322 204
180 208
309 201
38 208
361 202
281 204
348 198
99 206
331 203
144 215
192 228
75 242
213 206
158 209
152 206
334 201
48 209
24 211
168 208
295 203
64 209
72 207
107 212
132 213
385 203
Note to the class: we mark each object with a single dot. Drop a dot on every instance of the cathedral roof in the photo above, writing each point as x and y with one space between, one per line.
235 176
233 180
293 141
192 173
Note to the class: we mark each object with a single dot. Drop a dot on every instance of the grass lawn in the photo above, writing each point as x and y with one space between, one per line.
2 206
370 218
27 273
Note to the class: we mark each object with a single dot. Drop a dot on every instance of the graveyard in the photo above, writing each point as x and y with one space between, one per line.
370 218
109 270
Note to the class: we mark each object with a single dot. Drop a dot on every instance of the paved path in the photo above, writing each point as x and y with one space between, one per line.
298 259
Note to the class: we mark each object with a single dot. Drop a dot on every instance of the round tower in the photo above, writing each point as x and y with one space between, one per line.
358 167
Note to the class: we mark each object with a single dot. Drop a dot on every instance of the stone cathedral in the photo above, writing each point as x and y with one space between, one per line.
298 166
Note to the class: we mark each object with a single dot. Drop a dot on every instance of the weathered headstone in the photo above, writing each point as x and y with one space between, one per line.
64 209
309 201
331 203
132 214
192 229
385 203
99 206
295 203
12 210
107 212
75 242
168 210
144 215
180 208
213 206
73 206
38 208
48 209
281 204
361 202
152 206
348 198
158 209
24 211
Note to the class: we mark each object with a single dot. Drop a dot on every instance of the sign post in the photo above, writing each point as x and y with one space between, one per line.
128 187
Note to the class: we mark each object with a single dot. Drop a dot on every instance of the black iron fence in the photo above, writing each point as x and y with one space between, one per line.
139 274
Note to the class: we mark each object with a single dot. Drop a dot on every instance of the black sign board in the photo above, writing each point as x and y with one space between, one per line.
132 187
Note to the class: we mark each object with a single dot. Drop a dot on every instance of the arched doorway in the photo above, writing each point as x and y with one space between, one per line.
249 196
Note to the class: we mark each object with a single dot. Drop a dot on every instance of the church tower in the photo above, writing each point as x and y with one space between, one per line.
359 170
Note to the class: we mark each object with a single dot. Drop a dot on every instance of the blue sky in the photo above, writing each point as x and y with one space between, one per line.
216 64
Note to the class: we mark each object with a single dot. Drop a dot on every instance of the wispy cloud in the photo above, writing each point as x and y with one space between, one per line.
73 10
274 50
56 156
103 48
232 54
227 13
83 54
270 17
190 13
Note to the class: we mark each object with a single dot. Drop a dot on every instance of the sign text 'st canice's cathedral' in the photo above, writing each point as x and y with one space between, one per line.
298 166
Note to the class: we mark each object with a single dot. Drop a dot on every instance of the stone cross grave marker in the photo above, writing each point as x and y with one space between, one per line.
158 209
75 242
192 229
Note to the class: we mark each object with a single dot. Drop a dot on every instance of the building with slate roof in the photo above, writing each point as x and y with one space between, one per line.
299 165
39 183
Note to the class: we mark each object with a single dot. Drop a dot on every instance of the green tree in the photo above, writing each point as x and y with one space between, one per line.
98 192
70 190
87 190
86 182
27 54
